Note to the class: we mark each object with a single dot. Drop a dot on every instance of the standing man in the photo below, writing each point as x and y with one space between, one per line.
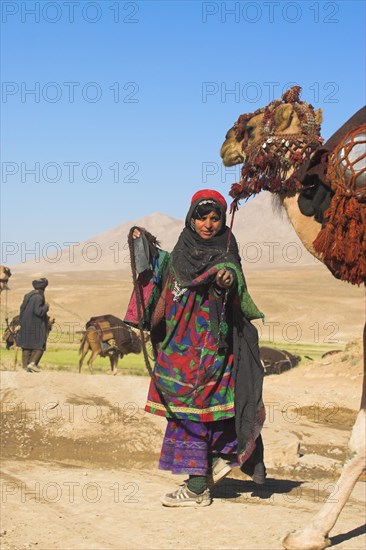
33 333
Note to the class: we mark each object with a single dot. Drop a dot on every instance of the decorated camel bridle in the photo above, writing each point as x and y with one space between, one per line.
267 164
341 242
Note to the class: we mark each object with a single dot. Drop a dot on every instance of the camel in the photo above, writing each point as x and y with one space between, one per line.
282 151
5 275
276 361
107 335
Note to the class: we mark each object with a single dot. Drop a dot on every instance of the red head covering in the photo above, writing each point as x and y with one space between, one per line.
209 194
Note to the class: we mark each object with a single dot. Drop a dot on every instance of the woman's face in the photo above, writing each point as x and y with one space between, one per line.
208 226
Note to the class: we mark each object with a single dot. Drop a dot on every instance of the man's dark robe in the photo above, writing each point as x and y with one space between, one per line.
33 321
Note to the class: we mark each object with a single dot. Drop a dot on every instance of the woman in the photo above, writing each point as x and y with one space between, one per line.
209 348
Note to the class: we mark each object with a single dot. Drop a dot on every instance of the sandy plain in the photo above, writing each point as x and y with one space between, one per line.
79 454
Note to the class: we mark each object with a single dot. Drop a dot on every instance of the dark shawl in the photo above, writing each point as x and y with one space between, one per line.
193 255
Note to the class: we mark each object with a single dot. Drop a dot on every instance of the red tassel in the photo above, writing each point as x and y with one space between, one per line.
324 240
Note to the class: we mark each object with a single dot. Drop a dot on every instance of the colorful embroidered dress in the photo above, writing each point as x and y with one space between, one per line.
194 361
188 360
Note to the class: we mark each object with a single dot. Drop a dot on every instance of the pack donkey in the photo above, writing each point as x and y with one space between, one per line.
108 336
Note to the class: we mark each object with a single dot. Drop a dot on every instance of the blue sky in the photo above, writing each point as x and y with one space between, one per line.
131 101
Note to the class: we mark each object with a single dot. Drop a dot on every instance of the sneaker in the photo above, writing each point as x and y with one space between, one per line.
184 497
32 367
220 470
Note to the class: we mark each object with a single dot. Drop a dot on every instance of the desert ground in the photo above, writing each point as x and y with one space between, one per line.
301 304
79 454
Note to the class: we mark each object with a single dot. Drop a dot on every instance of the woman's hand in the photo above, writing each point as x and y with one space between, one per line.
136 233
224 278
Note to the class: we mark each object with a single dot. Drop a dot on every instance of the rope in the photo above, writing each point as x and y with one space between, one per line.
340 163
6 303
6 308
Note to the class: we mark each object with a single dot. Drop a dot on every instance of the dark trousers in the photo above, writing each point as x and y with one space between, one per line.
31 356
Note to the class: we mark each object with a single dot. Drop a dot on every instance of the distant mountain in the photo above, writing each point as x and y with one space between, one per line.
265 239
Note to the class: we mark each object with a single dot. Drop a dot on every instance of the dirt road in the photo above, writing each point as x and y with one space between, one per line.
79 459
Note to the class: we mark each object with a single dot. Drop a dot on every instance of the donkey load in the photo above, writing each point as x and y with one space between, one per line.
108 336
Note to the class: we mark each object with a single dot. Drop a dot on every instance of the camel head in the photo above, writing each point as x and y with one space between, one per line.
5 275
272 142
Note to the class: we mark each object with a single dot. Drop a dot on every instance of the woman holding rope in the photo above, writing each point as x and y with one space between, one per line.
208 377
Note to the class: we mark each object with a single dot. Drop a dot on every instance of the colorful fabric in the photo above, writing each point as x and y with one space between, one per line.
191 360
146 288
188 447
188 359
244 300
150 287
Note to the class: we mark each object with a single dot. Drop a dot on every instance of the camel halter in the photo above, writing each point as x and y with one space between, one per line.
267 163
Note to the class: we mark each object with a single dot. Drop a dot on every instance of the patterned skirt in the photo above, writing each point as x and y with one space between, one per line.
189 447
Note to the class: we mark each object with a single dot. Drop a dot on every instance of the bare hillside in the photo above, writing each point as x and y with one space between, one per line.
265 239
